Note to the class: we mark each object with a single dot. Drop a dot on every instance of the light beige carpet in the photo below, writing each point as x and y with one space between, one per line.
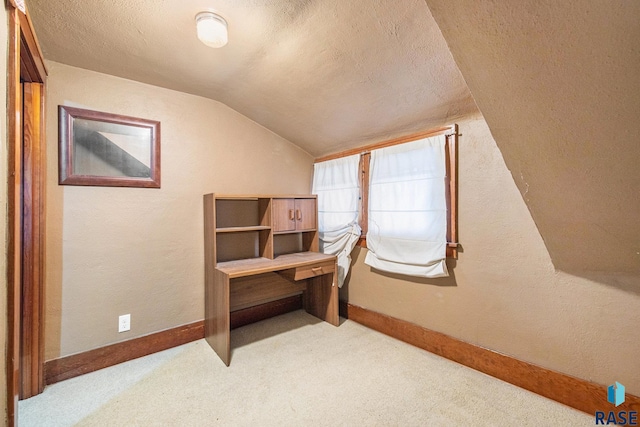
294 370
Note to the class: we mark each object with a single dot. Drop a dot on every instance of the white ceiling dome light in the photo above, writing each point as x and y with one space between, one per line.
212 29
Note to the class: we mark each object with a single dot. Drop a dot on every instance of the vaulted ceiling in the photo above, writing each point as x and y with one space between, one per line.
557 82
324 74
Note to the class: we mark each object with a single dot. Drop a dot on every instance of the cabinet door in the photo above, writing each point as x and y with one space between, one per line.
283 215
305 214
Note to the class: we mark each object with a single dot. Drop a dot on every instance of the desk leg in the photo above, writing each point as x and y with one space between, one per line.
321 298
217 324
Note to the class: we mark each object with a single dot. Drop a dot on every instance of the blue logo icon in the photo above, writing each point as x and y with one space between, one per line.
615 394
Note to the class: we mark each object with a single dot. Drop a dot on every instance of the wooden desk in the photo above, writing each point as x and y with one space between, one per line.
312 273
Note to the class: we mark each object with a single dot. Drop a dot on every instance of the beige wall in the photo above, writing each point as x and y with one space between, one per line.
112 251
4 47
504 293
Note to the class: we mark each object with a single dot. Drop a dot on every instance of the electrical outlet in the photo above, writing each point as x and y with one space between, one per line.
124 323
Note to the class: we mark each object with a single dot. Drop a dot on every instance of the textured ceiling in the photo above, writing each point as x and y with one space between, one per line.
326 75
558 83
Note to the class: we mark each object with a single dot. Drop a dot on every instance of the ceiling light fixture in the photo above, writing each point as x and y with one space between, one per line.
212 29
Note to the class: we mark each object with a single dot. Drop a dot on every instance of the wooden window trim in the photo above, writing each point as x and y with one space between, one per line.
451 165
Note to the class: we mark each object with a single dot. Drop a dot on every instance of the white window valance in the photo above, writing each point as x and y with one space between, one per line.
407 228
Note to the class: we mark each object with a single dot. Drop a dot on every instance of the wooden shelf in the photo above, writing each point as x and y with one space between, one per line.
277 233
260 196
241 229
240 198
252 266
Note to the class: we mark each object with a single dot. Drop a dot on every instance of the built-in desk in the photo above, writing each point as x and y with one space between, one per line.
312 273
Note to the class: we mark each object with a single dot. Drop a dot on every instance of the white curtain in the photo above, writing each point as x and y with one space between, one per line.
337 185
407 209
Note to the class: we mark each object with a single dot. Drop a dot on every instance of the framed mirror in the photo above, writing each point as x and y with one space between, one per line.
103 149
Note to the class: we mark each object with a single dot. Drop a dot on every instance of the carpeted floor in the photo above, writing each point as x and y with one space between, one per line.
294 370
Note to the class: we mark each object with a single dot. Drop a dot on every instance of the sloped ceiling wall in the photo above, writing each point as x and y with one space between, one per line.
559 86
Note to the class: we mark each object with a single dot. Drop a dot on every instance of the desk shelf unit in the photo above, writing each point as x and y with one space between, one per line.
260 249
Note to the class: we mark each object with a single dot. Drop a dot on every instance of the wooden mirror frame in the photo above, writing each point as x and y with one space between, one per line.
66 148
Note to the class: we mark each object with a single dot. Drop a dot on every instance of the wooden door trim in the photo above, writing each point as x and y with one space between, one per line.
33 51
33 239
13 217
26 63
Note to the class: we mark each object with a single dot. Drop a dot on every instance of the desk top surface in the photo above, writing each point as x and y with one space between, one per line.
249 267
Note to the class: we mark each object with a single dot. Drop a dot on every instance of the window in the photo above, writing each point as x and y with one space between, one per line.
406 159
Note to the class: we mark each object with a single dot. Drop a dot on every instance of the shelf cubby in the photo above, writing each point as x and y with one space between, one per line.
243 227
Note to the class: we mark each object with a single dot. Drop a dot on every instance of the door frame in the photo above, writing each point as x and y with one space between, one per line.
25 246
